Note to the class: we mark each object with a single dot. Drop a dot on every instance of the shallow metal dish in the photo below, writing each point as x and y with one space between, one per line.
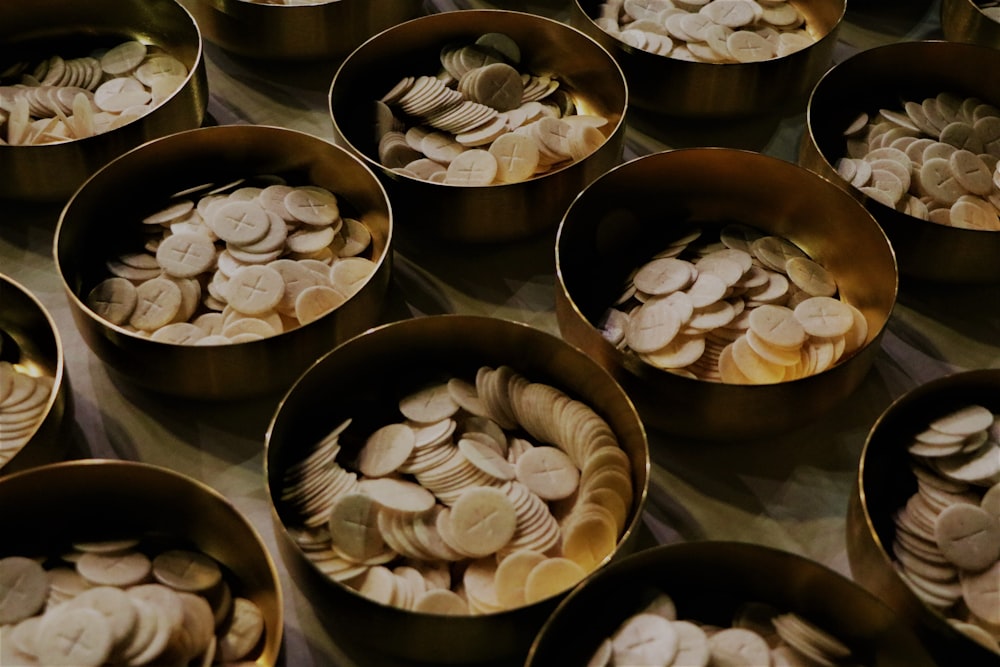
881 77
365 377
965 21
675 87
495 212
37 29
629 213
708 581
86 236
883 485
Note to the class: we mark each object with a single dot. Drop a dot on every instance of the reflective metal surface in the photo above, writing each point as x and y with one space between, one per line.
363 379
681 88
99 499
708 581
31 342
495 212
45 27
87 235
324 30
964 21
633 211
883 485
881 77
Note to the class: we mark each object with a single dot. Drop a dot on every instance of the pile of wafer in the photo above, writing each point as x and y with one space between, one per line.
935 159
236 263
481 120
758 635
490 493
124 602
742 307
62 99
24 397
947 539
709 31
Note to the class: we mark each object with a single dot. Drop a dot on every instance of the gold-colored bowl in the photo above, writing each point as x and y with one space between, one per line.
87 236
880 78
883 485
31 342
366 377
708 582
318 31
965 21
494 212
95 499
31 30
675 87
632 211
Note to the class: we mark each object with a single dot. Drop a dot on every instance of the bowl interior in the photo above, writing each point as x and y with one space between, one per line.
708 582
635 210
31 342
95 499
677 87
414 48
885 485
884 77
498 212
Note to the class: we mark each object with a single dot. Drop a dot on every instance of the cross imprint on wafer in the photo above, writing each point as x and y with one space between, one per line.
68 642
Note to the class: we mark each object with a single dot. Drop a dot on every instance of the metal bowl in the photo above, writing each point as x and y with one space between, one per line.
880 77
965 21
677 87
708 582
884 484
53 172
94 499
321 30
495 212
87 236
30 341
367 375
632 211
